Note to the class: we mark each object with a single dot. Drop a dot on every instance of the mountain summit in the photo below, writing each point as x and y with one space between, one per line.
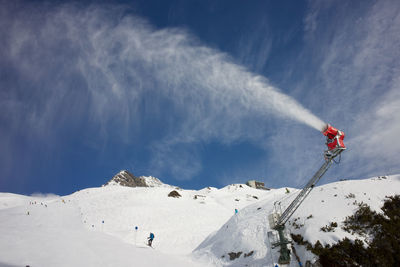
125 178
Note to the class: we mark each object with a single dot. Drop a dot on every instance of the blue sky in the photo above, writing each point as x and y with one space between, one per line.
196 93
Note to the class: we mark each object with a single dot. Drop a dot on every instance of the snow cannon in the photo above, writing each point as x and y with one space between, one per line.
334 141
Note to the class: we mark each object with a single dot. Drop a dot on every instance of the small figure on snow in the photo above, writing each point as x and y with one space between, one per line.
150 239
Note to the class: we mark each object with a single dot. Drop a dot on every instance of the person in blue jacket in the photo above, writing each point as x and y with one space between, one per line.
150 239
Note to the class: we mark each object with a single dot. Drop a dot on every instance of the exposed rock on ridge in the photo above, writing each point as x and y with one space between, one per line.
126 178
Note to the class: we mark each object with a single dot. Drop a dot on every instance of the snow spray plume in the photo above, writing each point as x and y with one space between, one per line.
118 57
108 64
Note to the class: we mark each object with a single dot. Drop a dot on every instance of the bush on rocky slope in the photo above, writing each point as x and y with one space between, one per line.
380 230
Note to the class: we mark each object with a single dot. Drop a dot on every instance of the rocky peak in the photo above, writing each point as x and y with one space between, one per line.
125 178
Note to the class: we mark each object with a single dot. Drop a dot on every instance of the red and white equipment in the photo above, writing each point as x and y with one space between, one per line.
334 140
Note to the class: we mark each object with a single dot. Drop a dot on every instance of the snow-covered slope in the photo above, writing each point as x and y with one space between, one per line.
53 235
96 226
180 224
250 233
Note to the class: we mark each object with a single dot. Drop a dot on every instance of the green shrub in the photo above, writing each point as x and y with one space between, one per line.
329 228
299 239
382 230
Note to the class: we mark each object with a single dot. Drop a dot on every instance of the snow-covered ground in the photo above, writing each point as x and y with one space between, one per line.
250 233
198 229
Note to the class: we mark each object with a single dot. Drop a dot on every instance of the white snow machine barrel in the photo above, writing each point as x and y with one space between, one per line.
334 142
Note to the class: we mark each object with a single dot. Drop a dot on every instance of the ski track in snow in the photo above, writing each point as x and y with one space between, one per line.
198 229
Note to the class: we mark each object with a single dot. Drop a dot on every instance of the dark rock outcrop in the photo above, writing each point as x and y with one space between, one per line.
234 255
174 193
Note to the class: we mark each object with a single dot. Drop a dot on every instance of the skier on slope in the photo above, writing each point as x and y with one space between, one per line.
150 239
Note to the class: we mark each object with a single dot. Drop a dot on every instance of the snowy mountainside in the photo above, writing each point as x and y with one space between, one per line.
200 228
250 233
9 200
180 224
98 225
153 181
49 232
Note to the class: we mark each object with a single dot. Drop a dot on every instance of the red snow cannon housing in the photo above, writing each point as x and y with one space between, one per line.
334 139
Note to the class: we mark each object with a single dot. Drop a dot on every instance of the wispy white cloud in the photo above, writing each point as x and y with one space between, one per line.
349 76
356 51
102 75
100 65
